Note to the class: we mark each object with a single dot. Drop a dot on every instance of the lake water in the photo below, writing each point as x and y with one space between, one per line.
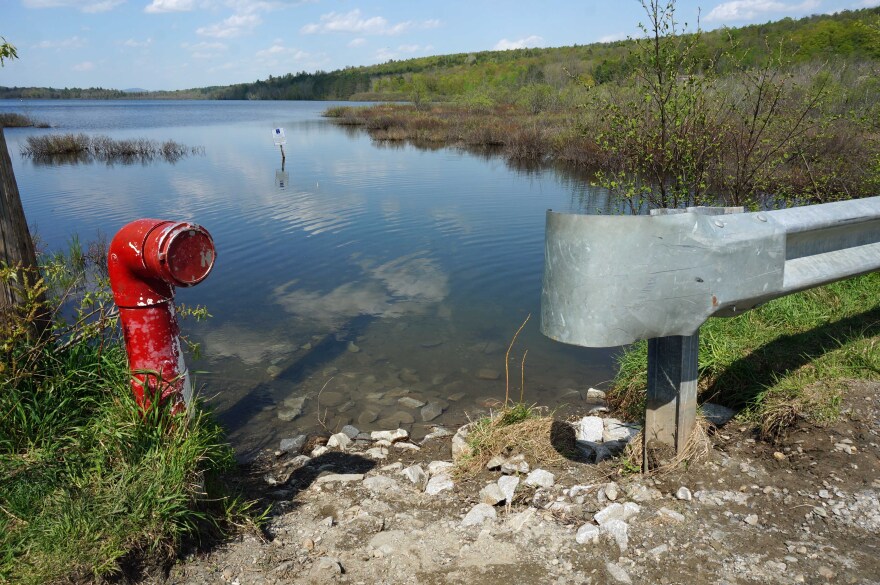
361 274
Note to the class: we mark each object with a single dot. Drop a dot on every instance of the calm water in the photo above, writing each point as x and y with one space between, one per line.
359 274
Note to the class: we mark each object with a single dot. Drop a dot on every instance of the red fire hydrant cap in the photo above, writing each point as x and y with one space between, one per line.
185 253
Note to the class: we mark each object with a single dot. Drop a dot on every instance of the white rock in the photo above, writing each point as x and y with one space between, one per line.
670 515
618 573
435 467
520 519
515 464
594 395
618 530
391 436
541 478
319 450
659 550
683 494
407 446
436 433
350 431
324 569
491 494
381 483
615 430
377 453
293 445
339 441
590 429
410 402
416 475
495 462
396 466
431 411
611 492
479 514
439 483
616 511
460 447
587 533
508 485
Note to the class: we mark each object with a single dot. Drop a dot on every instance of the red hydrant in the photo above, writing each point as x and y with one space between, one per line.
147 259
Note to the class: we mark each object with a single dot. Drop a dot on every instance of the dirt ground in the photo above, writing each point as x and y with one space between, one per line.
805 510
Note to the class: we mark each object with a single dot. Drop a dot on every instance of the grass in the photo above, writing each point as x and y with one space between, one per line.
782 362
89 483
84 148
14 120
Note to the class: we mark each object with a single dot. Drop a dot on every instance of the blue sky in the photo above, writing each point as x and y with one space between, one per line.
177 44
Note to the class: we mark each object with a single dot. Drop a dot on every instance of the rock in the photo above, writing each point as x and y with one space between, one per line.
495 463
488 374
353 347
377 453
288 414
515 464
293 445
438 467
670 515
507 484
410 402
520 519
367 416
407 446
390 436
659 550
319 450
431 411
587 533
460 447
437 433
594 395
684 494
340 477
640 493
331 399
381 483
590 428
339 441
324 569
396 466
479 514
616 511
716 414
541 478
618 530
401 417
439 483
618 573
611 492
416 475
751 519
492 495
409 376
350 431
273 371
615 430
593 452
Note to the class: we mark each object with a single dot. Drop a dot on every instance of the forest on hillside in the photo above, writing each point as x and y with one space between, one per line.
533 74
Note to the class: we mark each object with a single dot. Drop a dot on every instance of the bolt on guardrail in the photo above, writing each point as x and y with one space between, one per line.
614 280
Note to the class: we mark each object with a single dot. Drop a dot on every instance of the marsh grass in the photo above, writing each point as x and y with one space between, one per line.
87 481
14 120
84 148
781 362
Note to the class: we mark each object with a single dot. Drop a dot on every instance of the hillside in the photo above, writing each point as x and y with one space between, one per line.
852 36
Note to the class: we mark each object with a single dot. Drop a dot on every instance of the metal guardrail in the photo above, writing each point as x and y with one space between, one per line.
614 280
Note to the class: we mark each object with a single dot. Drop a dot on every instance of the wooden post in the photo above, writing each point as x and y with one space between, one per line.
16 245
671 407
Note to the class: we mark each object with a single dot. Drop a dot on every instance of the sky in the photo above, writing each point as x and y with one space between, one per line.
180 44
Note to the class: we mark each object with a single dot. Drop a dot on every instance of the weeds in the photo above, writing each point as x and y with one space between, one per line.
86 478
14 120
85 148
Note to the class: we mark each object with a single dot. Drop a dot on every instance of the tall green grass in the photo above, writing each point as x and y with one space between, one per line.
87 480
782 361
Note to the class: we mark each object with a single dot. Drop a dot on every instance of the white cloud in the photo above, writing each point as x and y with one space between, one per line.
358 42
84 66
137 44
752 9
279 50
529 41
234 26
71 43
353 22
159 6
204 50
867 4
387 53
81 5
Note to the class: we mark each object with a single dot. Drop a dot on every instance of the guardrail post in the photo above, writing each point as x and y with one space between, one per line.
671 405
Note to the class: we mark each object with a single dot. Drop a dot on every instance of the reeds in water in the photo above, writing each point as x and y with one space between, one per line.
84 148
